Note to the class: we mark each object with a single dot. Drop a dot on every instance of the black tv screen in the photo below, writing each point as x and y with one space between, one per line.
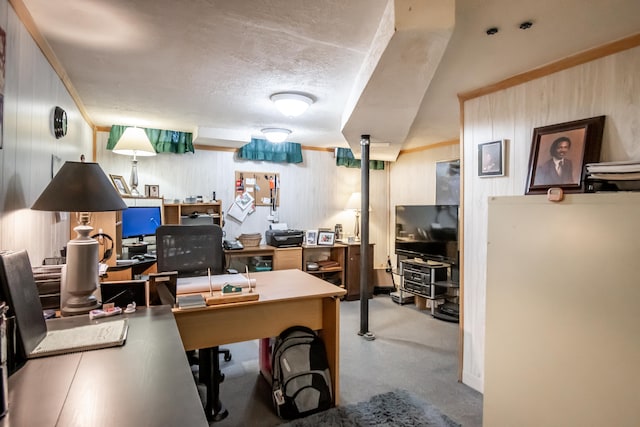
427 231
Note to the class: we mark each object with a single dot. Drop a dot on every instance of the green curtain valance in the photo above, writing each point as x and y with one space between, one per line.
164 141
261 149
344 157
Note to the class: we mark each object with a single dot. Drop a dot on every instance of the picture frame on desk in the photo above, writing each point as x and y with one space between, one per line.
311 237
326 238
120 184
152 190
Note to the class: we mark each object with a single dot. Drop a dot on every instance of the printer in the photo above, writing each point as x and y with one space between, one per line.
284 238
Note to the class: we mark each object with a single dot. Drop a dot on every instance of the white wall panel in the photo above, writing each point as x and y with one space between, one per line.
32 90
313 194
607 86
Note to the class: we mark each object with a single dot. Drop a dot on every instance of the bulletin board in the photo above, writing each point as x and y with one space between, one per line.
264 187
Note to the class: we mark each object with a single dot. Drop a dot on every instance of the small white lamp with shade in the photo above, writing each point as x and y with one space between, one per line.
134 142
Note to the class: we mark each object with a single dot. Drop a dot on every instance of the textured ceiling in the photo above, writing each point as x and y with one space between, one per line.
372 66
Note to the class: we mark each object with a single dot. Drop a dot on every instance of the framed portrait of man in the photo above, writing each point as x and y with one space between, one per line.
559 153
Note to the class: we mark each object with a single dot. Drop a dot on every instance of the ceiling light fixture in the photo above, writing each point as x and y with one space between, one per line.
276 135
291 104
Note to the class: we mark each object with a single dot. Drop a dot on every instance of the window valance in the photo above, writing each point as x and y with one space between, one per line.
344 157
164 141
261 149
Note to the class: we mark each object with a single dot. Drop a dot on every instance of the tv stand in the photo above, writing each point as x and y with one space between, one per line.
430 280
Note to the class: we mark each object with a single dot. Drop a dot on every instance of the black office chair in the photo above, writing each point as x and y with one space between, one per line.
194 250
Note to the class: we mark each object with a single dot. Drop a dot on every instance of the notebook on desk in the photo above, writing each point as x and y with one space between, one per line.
19 290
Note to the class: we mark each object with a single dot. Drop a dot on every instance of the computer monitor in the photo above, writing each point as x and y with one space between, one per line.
140 221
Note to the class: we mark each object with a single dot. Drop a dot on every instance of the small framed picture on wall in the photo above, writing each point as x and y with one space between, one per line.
491 158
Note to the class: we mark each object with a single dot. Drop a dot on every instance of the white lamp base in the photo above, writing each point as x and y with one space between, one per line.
81 276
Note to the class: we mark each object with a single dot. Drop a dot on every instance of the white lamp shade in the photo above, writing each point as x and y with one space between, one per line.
354 202
291 104
134 142
276 135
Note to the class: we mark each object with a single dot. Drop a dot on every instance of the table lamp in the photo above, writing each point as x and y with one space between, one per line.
83 188
355 204
134 142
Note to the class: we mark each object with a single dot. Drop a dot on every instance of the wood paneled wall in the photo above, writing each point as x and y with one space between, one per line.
606 86
313 194
31 91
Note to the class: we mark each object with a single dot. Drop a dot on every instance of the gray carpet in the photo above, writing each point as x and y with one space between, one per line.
396 408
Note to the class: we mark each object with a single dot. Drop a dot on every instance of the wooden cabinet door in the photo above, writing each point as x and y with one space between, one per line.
287 258
353 272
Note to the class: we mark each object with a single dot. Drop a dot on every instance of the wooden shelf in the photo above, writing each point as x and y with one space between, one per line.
337 252
173 213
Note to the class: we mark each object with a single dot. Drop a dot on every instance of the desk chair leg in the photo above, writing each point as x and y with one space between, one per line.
210 371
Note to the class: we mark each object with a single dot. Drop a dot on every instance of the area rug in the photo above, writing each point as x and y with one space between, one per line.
396 408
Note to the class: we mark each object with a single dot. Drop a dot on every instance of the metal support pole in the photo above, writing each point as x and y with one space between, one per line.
364 239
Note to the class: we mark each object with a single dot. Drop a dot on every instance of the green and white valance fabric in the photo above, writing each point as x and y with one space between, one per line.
344 157
164 141
261 149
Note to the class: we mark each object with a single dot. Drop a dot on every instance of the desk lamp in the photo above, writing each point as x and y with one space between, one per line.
134 142
83 188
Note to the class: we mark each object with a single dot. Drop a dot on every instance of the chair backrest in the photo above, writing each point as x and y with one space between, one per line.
191 250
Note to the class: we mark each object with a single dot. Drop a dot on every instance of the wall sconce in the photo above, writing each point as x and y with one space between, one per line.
276 135
134 142
291 104
83 188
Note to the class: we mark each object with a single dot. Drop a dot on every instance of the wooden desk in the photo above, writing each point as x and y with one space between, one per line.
129 271
248 252
287 298
145 382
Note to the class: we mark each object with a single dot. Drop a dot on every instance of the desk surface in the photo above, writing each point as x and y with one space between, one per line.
287 298
145 382
280 285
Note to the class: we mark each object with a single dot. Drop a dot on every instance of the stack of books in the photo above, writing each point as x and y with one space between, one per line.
625 170
47 278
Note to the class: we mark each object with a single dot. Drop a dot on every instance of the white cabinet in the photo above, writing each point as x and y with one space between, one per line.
562 320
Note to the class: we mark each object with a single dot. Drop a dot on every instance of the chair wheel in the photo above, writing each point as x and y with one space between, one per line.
227 357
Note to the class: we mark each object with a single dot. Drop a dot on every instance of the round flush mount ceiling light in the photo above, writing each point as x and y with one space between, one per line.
291 104
276 134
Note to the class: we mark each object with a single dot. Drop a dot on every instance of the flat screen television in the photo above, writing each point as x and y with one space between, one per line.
140 221
428 232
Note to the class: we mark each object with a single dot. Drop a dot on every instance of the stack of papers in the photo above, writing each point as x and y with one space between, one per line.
626 170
